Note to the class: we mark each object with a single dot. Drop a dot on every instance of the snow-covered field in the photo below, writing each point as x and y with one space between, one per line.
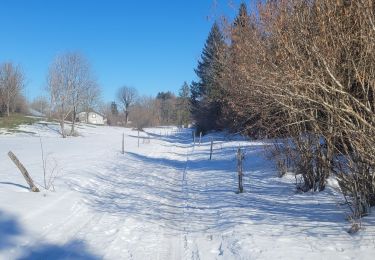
162 200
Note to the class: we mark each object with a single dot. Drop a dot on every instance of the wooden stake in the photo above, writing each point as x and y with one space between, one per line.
200 138
138 138
240 157
212 144
23 171
123 143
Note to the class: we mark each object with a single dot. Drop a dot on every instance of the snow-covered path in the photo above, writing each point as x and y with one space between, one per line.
163 200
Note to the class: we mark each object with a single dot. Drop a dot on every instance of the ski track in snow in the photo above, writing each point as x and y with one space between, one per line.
163 200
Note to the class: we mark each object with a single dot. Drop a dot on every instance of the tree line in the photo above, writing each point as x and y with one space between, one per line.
131 109
71 87
302 72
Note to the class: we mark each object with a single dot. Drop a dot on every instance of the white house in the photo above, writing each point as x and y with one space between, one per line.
91 118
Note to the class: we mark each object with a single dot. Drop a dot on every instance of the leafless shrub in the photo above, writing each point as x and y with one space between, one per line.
284 155
50 169
145 113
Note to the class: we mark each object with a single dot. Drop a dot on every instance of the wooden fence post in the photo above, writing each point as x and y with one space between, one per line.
23 170
240 158
200 138
212 144
138 138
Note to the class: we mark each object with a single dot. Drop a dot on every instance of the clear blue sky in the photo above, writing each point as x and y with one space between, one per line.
152 45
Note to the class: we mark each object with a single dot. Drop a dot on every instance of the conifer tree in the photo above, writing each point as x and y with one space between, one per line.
207 92
238 113
241 25
183 105
114 109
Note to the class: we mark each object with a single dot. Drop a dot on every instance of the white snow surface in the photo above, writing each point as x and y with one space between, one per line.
162 200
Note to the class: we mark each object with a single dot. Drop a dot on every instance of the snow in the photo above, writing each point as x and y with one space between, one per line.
36 113
163 200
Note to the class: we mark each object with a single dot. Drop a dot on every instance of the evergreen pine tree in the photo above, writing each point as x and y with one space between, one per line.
210 66
167 103
236 113
195 95
242 21
114 109
240 33
207 93
183 105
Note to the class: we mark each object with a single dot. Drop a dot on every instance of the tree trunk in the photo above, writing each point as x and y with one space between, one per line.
73 121
23 171
8 110
126 117
62 125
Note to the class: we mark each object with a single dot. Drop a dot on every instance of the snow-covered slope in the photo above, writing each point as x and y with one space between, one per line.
162 200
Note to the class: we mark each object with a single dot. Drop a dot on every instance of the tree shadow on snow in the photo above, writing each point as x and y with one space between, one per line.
10 229
183 138
14 184
75 249
156 190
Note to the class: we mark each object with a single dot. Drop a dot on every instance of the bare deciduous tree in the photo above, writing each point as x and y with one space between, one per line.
60 91
90 98
69 82
145 113
11 84
127 97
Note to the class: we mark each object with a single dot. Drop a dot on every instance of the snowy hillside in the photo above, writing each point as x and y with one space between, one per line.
162 200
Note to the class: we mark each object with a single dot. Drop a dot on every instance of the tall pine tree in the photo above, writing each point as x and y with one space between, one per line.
183 105
237 112
207 94
240 35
